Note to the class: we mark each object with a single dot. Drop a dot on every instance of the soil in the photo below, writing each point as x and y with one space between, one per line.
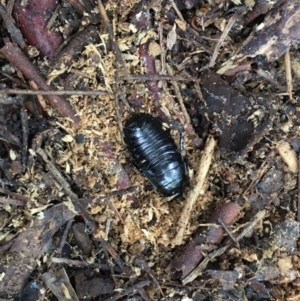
78 220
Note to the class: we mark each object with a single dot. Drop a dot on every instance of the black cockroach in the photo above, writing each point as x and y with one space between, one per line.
155 154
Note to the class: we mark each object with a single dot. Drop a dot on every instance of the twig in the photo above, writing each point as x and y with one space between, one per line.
66 187
129 291
59 283
227 231
179 97
267 76
151 77
112 38
52 92
24 120
288 76
16 57
205 162
114 254
15 195
141 262
199 92
6 246
162 48
11 201
19 82
197 271
6 135
221 40
78 6
110 263
120 124
149 63
115 210
53 17
125 191
190 34
118 260
177 10
83 264
64 237
262 170
141 77
207 240
288 155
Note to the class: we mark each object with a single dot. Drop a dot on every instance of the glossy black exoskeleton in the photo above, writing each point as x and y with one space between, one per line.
155 154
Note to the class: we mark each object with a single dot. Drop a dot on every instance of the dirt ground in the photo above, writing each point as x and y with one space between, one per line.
78 220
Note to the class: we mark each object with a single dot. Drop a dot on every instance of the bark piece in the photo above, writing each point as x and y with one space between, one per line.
213 235
58 282
241 121
288 155
65 58
279 30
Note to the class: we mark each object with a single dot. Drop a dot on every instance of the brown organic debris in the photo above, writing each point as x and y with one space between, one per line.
274 36
78 220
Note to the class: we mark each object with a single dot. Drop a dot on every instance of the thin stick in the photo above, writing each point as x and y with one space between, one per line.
179 97
83 264
25 130
53 17
199 92
15 195
66 187
262 170
119 261
11 201
228 231
267 76
177 10
197 271
110 266
129 291
120 124
163 49
64 237
112 38
221 40
288 75
151 77
141 262
52 92
204 165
